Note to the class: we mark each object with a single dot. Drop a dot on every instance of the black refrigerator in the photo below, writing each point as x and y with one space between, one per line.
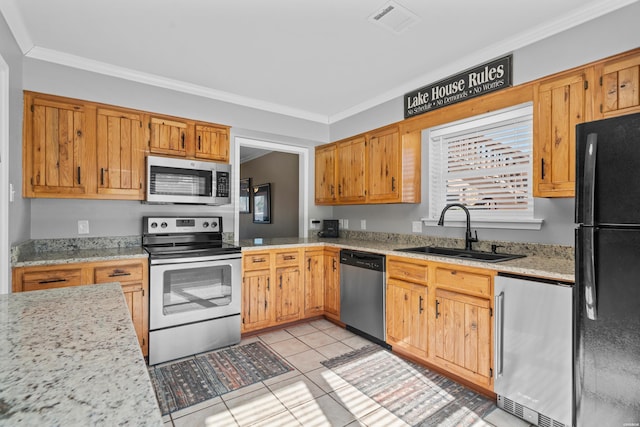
607 292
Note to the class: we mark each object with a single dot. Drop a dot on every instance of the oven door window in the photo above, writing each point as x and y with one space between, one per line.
194 289
180 182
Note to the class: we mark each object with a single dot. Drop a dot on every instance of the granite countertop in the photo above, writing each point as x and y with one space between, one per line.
72 250
544 261
66 362
77 255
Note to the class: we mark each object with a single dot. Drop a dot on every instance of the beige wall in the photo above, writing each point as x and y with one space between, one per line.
281 170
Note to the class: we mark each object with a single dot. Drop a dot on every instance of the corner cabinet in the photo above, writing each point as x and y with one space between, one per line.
131 273
381 166
560 104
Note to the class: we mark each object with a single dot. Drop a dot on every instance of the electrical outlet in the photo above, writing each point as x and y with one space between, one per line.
416 226
363 224
83 226
345 224
315 224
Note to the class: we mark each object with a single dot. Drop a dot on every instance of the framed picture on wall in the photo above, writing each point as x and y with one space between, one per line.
262 204
245 195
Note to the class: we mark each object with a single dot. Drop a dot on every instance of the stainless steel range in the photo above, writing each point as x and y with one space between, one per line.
194 286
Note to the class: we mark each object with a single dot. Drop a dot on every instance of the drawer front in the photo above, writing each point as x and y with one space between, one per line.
291 258
407 271
49 279
256 261
119 273
465 281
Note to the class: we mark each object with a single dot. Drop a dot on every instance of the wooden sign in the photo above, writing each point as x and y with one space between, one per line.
483 79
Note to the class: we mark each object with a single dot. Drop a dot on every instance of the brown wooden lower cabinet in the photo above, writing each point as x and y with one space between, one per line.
281 286
441 314
131 273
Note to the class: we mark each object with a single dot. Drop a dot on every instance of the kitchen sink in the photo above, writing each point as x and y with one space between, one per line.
461 253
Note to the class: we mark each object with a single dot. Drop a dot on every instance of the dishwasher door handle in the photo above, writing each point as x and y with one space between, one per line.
499 329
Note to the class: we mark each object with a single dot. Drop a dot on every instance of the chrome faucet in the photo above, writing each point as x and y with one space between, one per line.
468 238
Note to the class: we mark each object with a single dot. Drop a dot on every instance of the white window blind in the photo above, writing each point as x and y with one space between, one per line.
485 164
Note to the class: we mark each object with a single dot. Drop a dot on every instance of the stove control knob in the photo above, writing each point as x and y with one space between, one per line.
154 225
205 224
163 225
214 224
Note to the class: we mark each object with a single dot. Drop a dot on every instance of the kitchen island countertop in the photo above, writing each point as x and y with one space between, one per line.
537 263
70 356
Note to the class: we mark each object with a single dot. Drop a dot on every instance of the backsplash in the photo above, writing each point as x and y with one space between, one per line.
31 247
553 251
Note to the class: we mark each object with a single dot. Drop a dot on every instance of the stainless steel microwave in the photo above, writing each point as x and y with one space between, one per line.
171 180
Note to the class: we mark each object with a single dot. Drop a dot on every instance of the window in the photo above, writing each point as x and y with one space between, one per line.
484 163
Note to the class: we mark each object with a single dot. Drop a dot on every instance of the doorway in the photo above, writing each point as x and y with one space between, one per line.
303 178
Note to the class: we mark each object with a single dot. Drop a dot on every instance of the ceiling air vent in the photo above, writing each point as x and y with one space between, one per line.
394 17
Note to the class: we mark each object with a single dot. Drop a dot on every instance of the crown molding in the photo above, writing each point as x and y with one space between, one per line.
82 63
14 19
521 40
15 22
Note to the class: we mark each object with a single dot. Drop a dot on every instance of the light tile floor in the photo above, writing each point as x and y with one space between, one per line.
310 395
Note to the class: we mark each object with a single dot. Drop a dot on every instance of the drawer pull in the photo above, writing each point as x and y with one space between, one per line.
119 273
43 282
256 260
289 257
454 272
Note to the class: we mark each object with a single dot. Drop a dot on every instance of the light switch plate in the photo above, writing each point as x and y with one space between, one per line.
345 224
416 226
363 224
83 226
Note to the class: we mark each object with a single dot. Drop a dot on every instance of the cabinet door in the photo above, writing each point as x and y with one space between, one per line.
168 136
351 170
407 317
120 147
560 106
325 179
332 283
384 166
212 143
135 297
620 86
54 147
256 297
288 289
463 335
314 283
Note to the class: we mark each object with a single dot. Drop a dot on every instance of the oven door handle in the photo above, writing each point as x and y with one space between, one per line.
200 259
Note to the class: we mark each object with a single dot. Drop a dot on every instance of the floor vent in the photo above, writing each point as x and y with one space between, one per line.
394 17
527 414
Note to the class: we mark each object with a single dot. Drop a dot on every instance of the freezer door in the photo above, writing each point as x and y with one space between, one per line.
616 171
533 345
607 349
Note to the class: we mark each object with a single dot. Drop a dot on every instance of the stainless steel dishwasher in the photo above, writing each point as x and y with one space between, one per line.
362 293
533 349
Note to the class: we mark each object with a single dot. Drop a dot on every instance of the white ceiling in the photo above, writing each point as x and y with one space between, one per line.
320 60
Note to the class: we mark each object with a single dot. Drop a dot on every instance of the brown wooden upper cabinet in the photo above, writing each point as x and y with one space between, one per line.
168 136
560 103
86 150
325 181
377 167
121 147
351 160
56 157
618 85
212 143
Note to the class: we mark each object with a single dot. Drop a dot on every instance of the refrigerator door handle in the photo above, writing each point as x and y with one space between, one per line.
589 187
589 276
499 331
